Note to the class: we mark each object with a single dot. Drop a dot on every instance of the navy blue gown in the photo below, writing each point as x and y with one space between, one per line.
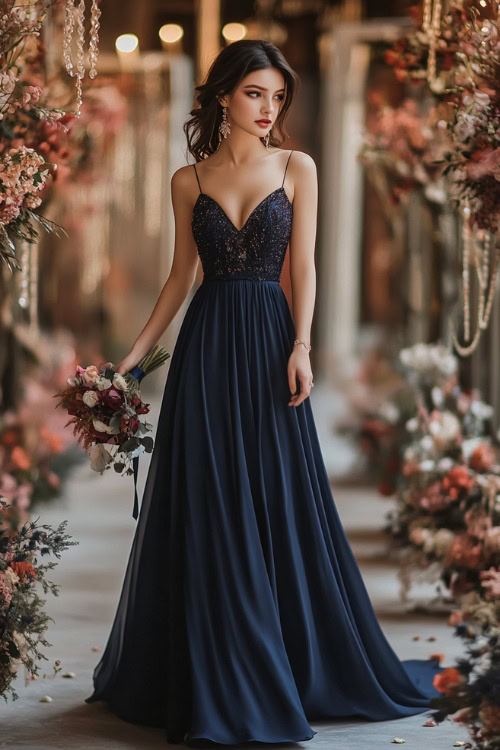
243 615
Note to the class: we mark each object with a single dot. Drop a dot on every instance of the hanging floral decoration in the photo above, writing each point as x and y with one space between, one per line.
456 51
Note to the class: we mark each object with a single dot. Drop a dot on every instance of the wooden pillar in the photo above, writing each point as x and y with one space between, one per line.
207 35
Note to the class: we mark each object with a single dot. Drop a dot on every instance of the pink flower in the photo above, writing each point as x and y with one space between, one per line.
465 552
434 499
483 162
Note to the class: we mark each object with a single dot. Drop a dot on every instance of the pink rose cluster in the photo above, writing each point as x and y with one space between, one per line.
21 177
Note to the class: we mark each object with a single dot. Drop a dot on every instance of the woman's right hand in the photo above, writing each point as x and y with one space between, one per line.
128 363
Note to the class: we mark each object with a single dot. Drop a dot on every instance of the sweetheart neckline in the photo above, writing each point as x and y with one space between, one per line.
239 231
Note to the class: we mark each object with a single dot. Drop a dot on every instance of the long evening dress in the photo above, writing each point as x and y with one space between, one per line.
243 614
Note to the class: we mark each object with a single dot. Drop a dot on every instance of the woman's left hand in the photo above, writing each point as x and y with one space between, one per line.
299 366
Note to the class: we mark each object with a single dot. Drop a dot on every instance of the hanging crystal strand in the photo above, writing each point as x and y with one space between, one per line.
71 10
80 57
69 24
435 30
426 21
95 14
466 239
23 299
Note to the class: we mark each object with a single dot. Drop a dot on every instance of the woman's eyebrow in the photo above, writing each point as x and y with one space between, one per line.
256 86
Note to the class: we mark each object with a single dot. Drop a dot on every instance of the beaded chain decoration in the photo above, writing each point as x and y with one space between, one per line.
431 24
76 12
476 250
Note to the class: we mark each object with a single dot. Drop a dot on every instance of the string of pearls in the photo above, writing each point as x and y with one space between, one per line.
74 15
431 25
476 246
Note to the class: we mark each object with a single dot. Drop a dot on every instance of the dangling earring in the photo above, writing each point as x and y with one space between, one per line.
224 127
266 139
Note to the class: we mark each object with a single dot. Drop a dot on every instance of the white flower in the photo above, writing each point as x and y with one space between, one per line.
482 100
90 398
437 396
445 464
464 127
103 383
101 427
446 427
72 381
481 410
91 375
120 382
470 445
427 443
388 411
427 465
412 425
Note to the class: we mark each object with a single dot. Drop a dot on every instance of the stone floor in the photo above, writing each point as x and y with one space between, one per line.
98 509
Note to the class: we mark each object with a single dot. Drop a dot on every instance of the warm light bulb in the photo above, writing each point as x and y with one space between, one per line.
234 31
171 33
127 43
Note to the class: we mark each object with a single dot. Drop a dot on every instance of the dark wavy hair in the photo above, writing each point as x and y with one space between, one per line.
230 66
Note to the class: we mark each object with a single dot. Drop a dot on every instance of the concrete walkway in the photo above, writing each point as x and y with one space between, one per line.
98 509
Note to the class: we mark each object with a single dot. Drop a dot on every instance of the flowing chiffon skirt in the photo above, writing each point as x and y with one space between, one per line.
243 615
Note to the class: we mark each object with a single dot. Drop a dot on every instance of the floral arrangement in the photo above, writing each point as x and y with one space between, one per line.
105 408
403 149
470 691
23 621
31 130
464 77
445 474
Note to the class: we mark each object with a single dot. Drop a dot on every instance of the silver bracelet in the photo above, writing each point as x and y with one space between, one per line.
299 341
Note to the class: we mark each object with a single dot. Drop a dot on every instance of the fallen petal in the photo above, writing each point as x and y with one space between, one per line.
398 740
96 648
458 743
431 638
45 699
416 638
69 674
430 723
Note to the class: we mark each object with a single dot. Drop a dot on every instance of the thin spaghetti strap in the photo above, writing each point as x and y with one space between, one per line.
196 173
291 152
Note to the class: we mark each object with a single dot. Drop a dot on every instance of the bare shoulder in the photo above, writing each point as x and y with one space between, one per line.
183 178
302 164
183 186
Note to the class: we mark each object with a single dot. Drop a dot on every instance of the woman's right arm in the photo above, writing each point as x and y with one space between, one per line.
182 273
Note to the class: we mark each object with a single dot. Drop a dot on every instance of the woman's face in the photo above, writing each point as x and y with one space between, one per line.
258 96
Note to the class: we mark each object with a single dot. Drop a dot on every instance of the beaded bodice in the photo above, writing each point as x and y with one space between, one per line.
256 251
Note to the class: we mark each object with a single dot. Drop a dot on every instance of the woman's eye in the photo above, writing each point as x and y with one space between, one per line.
279 96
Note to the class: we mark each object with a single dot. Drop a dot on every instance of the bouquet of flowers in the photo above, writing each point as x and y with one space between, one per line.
105 408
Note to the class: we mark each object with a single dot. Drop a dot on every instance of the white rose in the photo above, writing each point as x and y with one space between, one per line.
412 425
101 427
103 383
427 465
72 381
120 382
445 464
90 398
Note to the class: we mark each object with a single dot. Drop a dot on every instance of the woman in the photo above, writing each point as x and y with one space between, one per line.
243 615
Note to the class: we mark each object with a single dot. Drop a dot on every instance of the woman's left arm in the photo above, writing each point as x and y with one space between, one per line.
302 271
